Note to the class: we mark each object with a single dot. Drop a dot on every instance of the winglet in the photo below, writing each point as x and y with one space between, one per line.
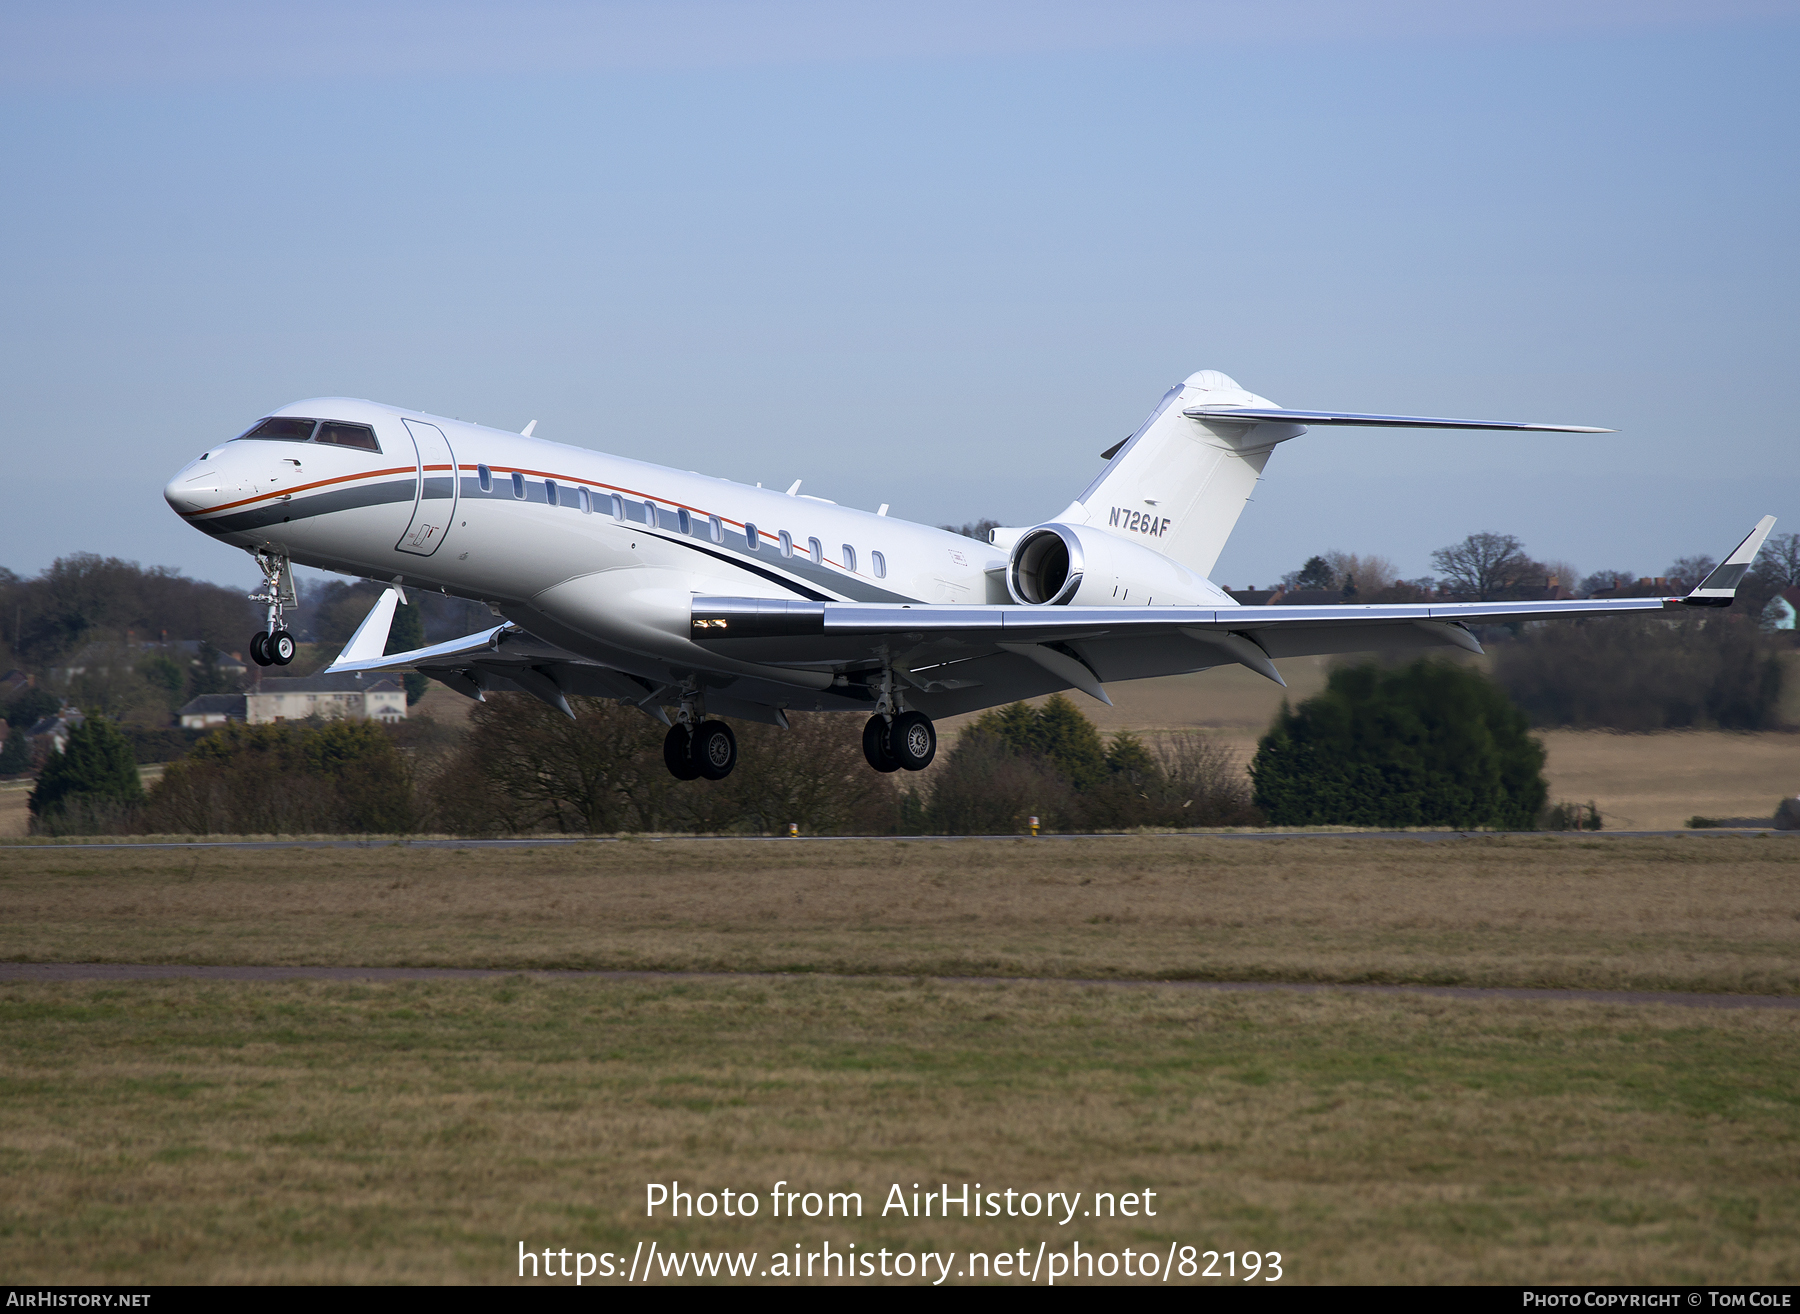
370 639
1719 588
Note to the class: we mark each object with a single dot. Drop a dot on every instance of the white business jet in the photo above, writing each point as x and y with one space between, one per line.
676 592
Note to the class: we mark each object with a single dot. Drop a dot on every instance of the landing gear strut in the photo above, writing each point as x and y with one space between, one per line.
696 748
274 646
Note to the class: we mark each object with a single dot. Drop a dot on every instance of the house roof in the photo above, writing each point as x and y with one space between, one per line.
349 682
214 704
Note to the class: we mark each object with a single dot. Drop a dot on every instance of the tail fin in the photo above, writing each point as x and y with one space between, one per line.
1179 483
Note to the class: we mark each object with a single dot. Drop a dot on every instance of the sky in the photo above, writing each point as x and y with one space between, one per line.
935 255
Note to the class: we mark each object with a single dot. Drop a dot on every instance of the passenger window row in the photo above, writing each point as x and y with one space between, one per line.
648 512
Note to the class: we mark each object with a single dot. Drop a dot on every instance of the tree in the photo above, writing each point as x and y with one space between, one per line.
406 633
1689 571
977 529
1429 744
1779 560
1484 567
15 754
1643 674
1315 574
95 766
31 706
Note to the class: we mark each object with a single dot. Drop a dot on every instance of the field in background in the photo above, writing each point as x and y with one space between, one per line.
1716 913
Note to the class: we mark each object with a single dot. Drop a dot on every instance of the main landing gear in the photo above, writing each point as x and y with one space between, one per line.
906 742
696 748
274 646
896 739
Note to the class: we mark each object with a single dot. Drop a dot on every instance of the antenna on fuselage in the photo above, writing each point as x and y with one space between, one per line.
795 488
526 431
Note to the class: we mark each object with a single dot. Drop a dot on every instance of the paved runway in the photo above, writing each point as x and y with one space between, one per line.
46 972
1424 836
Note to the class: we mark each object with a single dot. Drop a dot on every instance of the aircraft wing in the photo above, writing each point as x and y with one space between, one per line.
961 657
502 659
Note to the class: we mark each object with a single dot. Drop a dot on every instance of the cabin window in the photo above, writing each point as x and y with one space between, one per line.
684 521
550 493
816 550
849 558
752 538
518 485
787 544
715 529
281 429
340 434
879 564
618 507
484 477
584 500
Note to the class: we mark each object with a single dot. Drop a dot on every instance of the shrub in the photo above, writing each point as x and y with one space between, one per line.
1429 744
1050 762
334 777
526 767
1644 674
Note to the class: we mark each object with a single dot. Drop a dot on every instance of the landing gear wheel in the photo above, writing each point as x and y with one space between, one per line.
875 749
678 754
280 647
912 741
715 750
259 649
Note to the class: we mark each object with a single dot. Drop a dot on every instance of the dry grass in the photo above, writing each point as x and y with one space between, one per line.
1694 913
176 1132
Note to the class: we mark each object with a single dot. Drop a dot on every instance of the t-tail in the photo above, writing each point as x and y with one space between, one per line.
1178 484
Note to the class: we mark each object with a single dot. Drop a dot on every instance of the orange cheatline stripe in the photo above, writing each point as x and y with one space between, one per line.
301 488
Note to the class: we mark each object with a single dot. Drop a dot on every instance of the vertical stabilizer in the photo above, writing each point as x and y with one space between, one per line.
1178 485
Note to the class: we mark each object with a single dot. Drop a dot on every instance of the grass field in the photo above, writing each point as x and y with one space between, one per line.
177 1132
1689 913
180 1131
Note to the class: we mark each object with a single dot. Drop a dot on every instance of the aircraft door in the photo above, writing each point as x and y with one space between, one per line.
434 505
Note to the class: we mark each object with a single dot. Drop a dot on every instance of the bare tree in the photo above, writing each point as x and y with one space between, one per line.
1484 567
1779 560
1689 571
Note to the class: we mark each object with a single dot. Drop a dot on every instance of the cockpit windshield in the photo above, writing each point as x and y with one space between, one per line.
293 429
281 428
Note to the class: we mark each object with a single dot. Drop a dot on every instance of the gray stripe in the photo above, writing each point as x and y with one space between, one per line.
314 504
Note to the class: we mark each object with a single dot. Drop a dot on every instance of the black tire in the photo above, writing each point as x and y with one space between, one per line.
678 754
715 750
259 649
281 647
912 741
875 739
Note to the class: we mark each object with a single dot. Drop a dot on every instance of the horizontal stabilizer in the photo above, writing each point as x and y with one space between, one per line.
1276 415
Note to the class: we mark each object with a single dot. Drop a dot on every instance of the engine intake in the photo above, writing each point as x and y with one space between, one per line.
1056 565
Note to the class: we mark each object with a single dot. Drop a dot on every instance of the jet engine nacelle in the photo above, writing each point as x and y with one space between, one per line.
1059 565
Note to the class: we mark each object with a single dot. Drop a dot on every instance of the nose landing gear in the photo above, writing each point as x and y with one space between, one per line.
274 646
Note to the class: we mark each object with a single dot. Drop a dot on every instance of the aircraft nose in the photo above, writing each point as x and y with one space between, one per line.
197 486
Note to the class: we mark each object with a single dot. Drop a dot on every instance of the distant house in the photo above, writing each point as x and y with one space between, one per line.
296 698
209 710
1251 596
12 683
52 733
